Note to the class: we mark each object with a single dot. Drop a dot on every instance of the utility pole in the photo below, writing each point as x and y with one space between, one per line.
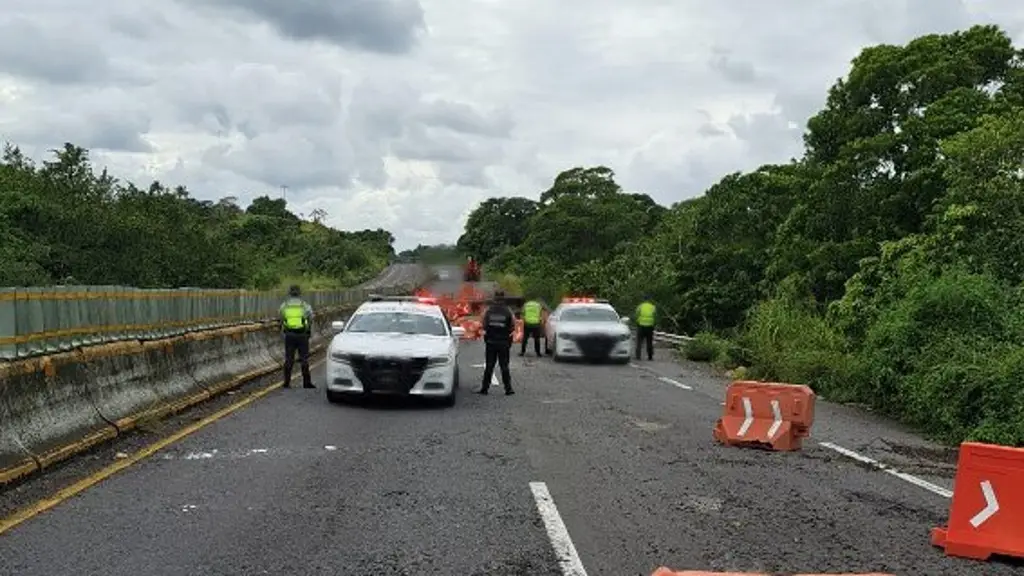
284 192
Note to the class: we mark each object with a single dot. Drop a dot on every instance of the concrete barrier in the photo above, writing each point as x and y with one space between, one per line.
51 413
54 407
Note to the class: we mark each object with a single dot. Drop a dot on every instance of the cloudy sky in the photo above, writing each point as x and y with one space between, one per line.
404 114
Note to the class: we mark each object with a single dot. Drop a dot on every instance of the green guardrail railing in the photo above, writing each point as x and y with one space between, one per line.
35 321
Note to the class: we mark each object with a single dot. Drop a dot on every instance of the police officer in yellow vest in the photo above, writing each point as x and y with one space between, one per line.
532 311
297 326
645 326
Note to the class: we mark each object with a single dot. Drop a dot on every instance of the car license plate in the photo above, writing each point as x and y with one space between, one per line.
387 380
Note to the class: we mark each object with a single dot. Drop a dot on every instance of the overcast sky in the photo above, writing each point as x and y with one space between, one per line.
404 114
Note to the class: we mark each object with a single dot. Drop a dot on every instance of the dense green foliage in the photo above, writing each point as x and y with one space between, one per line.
61 222
883 267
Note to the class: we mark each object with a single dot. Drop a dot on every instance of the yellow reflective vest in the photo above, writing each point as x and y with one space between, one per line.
531 313
645 314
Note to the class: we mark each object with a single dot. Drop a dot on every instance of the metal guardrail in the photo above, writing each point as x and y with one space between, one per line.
44 320
669 338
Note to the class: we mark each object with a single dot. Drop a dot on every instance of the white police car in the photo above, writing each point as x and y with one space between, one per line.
587 329
400 345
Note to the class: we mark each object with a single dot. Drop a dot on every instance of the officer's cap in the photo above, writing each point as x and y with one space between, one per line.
294 290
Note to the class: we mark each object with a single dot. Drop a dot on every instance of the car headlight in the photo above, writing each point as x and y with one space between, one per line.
439 361
623 337
564 336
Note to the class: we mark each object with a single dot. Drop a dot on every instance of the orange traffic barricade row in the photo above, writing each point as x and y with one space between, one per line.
473 328
667 572
986 515
517 334
766 415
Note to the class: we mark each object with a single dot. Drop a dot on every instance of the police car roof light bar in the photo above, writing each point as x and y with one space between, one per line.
580 300
416 299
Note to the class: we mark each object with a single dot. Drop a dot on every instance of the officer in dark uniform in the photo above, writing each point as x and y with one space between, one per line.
499 324
297 327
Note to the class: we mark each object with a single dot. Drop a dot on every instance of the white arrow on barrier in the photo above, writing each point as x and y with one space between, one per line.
777 414
991 505
748 412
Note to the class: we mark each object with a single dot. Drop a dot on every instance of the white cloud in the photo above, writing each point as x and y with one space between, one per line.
403 114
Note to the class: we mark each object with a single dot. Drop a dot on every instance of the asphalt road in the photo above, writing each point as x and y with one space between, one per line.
449 281
294 485
395 274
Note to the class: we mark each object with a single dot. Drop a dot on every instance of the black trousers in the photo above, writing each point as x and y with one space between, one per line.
528 331
645 334
495 352
297 342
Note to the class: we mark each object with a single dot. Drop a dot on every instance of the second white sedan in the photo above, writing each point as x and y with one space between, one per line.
587 329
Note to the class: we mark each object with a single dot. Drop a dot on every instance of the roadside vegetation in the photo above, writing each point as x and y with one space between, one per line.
63 223
883 267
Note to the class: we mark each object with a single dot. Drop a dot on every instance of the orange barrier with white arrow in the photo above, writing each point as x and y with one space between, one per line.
766 415
986 513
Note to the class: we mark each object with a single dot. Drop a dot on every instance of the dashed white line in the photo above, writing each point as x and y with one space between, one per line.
667 380
919 482
565 550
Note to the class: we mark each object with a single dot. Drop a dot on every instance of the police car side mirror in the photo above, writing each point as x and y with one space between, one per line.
625 320
458 332
337 326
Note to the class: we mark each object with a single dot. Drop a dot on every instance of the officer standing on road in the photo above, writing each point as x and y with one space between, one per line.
297 327
531 325
645 326
499 323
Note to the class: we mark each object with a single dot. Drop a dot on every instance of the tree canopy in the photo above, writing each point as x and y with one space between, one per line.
884 266
61 222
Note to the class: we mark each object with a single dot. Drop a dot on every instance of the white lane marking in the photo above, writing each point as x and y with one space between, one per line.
667 380
777 423
330 448
991 505
631 365
565 550
494 380
921 483
479 365
748 412
200 455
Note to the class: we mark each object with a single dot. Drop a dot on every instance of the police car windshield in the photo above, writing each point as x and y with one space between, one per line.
397 323
589 314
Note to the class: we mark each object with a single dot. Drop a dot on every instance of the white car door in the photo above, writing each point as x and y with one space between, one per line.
549 326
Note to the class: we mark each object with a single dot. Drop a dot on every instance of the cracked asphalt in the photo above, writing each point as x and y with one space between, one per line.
294 485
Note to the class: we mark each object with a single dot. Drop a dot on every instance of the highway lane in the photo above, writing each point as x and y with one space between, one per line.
293 485
395 274
449 281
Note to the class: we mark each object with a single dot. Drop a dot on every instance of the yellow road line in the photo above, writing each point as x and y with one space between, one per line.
95 478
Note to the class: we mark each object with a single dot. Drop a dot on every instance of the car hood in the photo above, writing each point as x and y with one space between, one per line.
582 328
391 344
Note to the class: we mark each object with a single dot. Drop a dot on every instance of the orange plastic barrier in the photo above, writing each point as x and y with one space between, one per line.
473 328
517 334
766 415
667 572
988 504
